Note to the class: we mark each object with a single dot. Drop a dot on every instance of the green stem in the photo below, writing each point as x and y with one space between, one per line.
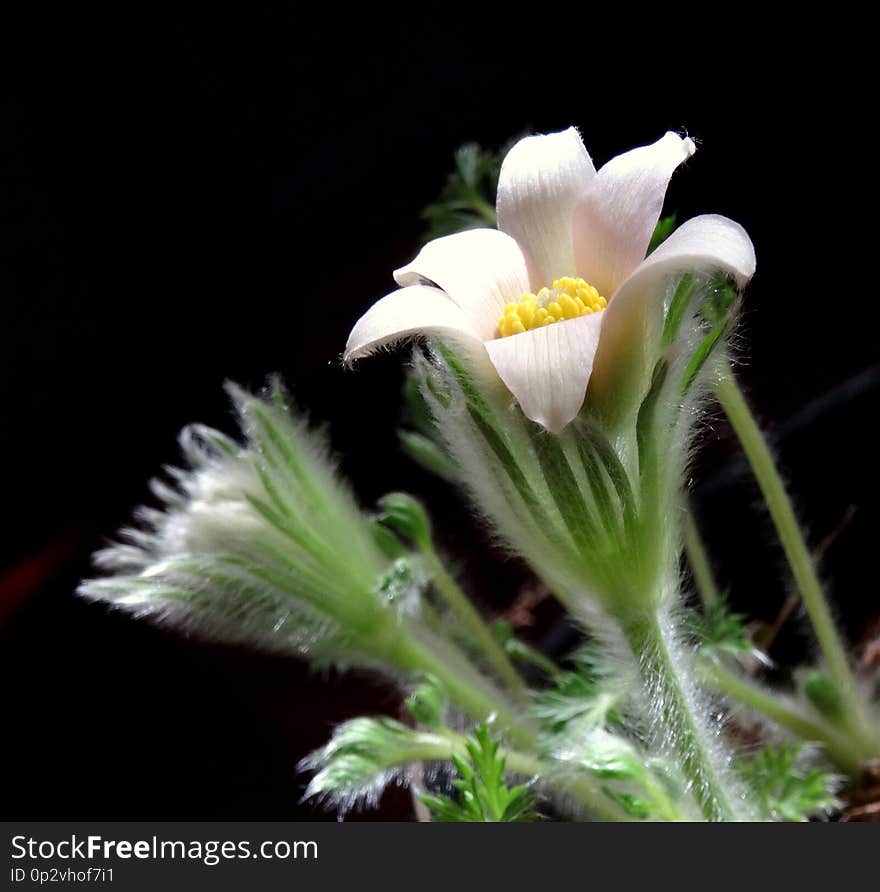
698 559
474 626
839 747
484 209
525 653
758 453
477 703
667 694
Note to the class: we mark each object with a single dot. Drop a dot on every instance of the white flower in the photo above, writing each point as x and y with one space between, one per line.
533 292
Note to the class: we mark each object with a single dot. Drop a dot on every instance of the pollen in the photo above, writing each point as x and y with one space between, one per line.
568 298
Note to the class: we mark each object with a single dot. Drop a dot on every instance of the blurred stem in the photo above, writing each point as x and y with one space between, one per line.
667 693
839 747
484 209
758 453
698 558
473 624
525 653
477 703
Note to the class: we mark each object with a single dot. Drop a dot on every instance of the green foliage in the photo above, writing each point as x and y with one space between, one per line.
406 516
258 541
358 759
468 198
787 789
719 632
644 788
678 306
427 702
702 354
824 696
400 584
425 452
578 715
421 442
581 696
520 652
662 231
483 794
386 540
719 297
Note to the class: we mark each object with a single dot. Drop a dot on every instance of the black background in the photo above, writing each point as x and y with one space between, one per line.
191 196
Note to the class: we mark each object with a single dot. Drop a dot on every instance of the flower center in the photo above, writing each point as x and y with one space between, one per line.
567 299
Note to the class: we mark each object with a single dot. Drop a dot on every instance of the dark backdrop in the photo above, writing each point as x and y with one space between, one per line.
195 196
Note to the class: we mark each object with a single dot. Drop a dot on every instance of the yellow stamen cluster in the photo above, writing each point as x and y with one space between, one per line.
567 299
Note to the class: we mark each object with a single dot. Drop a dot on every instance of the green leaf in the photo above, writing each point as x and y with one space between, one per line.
467 200
427 702
564 489
649 459
483 794
635 806
583 696
662 231
417 411
701 355
719 298
678 307
788 789
612 758
400 583
363 753
719 631
406 516
615 470
483 419
388 543
425 452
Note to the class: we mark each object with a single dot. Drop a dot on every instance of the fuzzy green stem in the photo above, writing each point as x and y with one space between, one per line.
474 627
698 558
758 453
667 694
477 703
839 747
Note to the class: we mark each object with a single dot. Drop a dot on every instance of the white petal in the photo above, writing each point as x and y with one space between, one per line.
482 270
404 313
706 243
614 220
547 369
540 183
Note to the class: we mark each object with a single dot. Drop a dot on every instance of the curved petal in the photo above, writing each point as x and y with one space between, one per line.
547 369
482 270
402 314
540 183
708 243
614 220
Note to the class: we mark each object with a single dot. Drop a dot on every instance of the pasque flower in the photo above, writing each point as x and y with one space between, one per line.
551 294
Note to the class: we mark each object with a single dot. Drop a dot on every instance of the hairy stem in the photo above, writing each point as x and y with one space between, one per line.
698 558
840 748
676 720
758 453
475 701
479 634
